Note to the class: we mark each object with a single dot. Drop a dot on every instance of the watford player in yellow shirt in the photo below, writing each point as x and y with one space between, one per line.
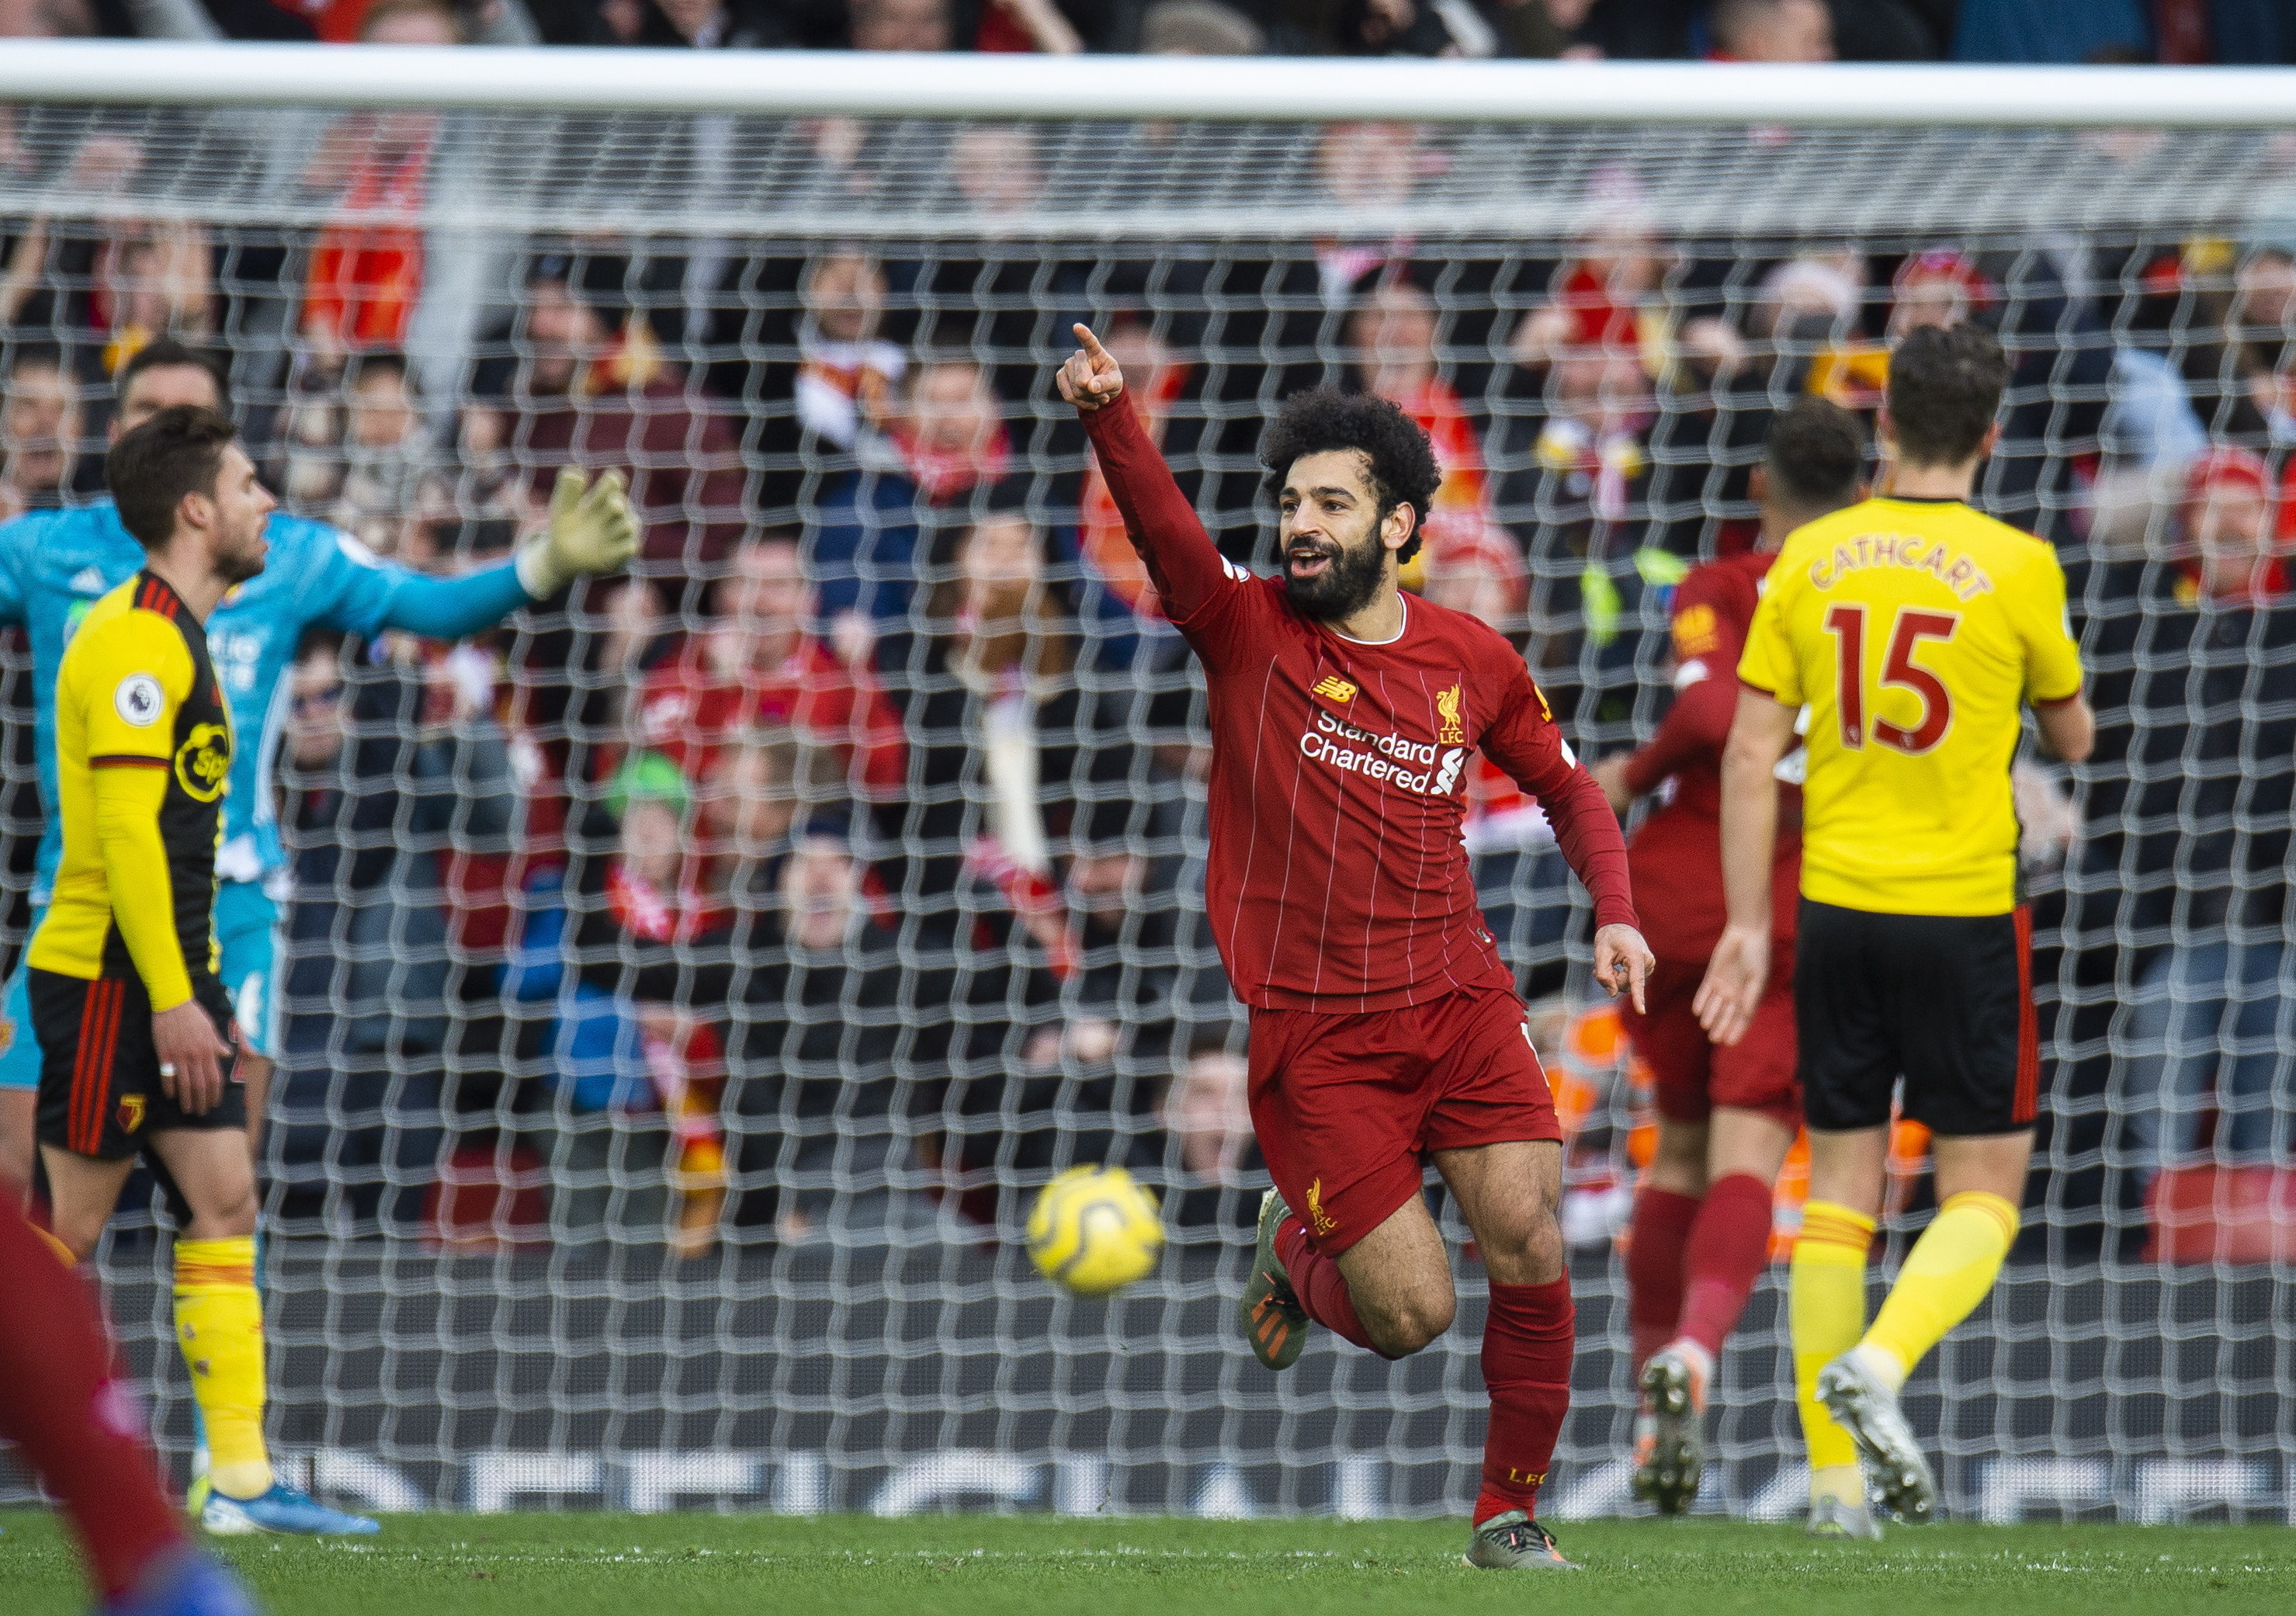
133 1024
1915 631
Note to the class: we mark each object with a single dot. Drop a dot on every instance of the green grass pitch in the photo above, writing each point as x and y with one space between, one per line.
709 1565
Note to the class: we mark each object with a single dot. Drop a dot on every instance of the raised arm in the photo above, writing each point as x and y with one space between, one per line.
1189 572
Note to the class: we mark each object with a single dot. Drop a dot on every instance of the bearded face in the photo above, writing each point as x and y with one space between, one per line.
1335 559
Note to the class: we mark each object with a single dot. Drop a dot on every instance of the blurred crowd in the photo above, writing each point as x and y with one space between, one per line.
2124 31
839 863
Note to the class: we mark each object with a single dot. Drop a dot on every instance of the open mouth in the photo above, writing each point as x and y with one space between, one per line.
1306 561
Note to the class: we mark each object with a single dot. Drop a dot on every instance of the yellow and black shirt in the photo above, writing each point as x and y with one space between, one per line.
1915 631
142 759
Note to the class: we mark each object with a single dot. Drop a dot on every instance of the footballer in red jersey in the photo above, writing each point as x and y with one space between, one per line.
1386 1034
1727 1113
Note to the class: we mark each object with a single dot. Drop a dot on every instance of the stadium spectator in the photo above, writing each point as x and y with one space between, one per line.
355 453
1546 29
749 802
711 25
1410 28
598 393
2234 554
40 432
2042 31
818 1018
47 19
1199 27
901 25
944 443
366 278
754 665
1770 30
1205 1113
1392 336
1365 167
390 777
2262 322
848 373
2189 814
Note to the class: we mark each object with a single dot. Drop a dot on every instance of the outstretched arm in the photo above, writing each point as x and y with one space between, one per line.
592 529
454 608
1188 568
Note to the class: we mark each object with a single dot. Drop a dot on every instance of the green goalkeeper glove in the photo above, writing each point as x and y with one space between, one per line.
592 529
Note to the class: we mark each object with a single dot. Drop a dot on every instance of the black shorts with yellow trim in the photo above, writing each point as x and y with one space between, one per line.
1944 1001
100 1090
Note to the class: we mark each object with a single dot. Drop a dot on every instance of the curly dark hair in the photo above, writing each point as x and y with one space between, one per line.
1403 468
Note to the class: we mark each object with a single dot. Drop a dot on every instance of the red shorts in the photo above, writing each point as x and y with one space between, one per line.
1692 1075
1347 1107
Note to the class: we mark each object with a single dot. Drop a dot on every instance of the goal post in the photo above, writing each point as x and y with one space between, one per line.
676 1017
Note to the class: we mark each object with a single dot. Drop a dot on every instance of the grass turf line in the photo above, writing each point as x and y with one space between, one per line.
710 1566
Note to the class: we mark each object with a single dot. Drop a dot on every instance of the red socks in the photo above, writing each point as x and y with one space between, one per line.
1527 1347
1660 1228
1322 1288
81 1429
1527 1339
1729 1248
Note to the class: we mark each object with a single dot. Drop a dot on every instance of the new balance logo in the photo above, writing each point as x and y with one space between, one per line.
1335 687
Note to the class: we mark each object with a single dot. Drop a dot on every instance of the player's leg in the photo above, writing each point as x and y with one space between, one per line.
1726 1252
247 941
1666 1453
82 1193
1673 1046
219 1329
20 1085
1390 1291
81 1429
1665 1208
1669 1042
1970 1049
1492 1132
1510 1192
1399 1282
1336 1104
1980 1185
1757 1113
1848 1064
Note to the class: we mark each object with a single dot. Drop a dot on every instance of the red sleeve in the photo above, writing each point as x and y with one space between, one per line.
1190 574
1709 628
1523 739
1695 728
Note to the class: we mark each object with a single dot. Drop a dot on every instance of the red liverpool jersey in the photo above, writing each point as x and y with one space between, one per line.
1679 849
1337 878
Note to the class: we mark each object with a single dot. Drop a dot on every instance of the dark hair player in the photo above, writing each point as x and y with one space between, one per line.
1386 1033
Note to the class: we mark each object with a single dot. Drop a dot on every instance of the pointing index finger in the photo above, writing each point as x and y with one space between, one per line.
1091 343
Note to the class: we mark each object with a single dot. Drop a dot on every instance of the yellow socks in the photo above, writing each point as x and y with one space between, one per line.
1827 1307
1948 1273
219 1326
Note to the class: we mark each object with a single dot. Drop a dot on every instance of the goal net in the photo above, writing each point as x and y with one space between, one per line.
683 989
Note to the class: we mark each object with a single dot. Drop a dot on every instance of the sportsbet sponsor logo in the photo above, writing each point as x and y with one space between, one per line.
1414 766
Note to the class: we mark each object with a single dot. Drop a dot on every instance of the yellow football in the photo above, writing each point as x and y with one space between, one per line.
1094 1230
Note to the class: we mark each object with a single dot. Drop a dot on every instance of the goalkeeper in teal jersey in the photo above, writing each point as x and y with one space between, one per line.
55 564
